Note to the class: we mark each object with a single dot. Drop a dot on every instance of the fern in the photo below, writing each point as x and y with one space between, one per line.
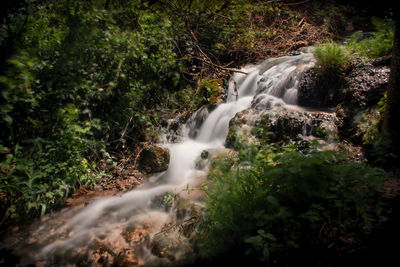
331 57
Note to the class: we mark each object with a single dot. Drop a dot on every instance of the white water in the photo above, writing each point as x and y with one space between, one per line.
272 83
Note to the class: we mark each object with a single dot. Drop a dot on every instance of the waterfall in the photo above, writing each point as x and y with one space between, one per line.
266 85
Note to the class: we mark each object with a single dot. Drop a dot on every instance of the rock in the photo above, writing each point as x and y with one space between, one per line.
293 124
279 124
197 119
172 131
366 84
163 201
170 245
203 161
204 154
320 91
240 129
153 158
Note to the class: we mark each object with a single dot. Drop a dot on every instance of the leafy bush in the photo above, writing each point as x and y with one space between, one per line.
376 142
211 90
79 76
375 44
283 207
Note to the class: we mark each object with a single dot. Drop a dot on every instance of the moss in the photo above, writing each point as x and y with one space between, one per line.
212 90
153 158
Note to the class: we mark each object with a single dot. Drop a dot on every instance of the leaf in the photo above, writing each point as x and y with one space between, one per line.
256 241
43 209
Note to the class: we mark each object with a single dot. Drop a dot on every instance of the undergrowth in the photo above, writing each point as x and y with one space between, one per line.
374 44
284 206
82 79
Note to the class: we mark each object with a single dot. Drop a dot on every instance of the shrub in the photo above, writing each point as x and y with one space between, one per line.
211 90
376 142
375 44
279 206
79 75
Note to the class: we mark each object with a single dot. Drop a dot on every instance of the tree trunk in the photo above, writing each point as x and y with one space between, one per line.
391 121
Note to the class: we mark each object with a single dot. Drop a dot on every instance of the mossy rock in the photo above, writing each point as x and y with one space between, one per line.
294 125
153 158
278 125
239 130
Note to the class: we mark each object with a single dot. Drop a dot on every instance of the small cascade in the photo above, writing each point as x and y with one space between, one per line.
215 128
267 85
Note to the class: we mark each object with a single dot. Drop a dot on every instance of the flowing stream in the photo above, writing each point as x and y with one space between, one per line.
131 221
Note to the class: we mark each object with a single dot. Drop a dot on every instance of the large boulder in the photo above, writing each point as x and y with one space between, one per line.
365 87
285 125
362 85
153 158
367 82
319 90
279 124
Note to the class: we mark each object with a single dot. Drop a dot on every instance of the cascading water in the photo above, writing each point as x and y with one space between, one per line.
272 83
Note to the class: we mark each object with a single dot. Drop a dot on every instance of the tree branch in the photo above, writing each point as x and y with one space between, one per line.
298 3
219 67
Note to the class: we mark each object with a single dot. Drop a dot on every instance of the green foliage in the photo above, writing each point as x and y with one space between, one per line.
254 21
272 204
370 122
375 44
82 78
331 57
211 90
375 141
40 175
335 16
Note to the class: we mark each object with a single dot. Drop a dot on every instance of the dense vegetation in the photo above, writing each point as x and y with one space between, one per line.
81 80
282 206
273 205
83 77
78 77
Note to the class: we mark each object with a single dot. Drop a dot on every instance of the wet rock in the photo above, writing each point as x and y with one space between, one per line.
171 245
204 154
240 128
320 90
292 124
197 119
280 124
361 86
185 208
201 164
173 130
204 160
366 83
153 158
163 201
